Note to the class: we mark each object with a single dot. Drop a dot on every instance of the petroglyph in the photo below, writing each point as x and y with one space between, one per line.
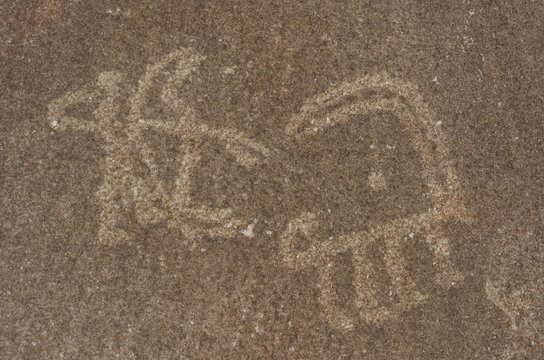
367 96
124 141
151 200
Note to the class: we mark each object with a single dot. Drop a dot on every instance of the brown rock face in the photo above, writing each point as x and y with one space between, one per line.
271 180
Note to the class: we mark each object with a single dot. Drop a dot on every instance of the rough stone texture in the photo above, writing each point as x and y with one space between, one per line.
271 180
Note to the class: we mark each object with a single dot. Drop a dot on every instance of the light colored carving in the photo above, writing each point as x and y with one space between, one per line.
336 107
125 143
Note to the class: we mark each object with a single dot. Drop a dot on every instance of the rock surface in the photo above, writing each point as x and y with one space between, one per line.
271 180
